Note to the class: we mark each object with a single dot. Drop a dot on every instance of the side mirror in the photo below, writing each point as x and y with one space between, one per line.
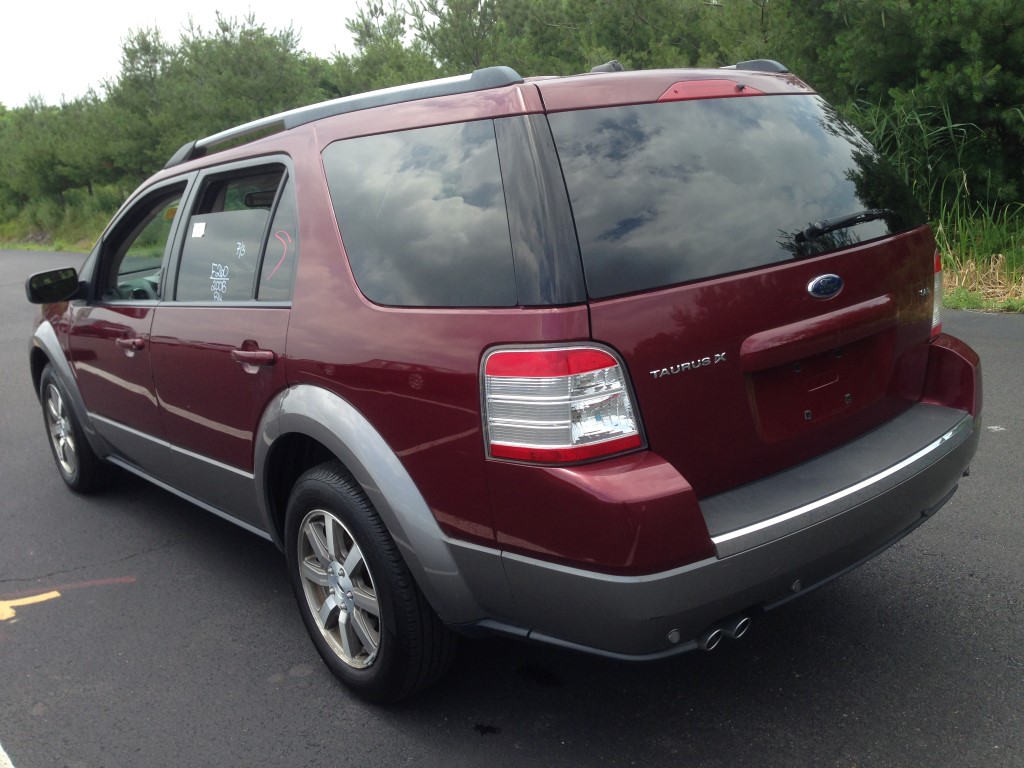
53 286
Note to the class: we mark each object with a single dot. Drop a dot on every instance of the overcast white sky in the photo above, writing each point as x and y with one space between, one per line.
58 49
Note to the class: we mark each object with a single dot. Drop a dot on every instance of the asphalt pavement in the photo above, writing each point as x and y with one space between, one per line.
137 630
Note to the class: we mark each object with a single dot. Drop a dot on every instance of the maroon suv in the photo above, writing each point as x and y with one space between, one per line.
614 362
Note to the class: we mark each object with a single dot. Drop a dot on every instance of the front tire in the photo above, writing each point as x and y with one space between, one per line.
368 620
77 463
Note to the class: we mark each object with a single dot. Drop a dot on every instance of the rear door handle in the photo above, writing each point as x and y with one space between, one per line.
253 359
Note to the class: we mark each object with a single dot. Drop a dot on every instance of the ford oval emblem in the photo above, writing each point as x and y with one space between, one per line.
825 286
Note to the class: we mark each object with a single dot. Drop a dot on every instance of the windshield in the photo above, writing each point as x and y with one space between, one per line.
669 193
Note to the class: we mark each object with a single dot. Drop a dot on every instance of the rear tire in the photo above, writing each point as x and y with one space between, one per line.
369 621
77 463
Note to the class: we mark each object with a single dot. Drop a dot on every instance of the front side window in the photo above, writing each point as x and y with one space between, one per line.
136 248
422 216
669 193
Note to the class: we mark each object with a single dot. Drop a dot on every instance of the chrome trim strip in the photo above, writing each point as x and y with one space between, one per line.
129 430
213 462
172 447
965 423
547 566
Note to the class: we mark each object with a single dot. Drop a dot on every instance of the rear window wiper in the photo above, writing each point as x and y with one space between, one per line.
823 227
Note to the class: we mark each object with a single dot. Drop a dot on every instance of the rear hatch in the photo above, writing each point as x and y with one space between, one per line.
764 275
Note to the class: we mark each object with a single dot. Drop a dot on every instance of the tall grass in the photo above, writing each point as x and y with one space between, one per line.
981 240
925 144
983 255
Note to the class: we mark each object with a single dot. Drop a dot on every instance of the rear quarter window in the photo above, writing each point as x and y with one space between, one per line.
675 192
422 216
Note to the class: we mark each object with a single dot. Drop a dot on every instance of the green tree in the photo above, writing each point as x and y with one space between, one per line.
461 35
940 85
42 157
642 34
137 108
238 72
383 57
166 94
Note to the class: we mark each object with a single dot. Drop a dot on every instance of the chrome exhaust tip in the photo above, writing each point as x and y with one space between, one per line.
711 638
735 627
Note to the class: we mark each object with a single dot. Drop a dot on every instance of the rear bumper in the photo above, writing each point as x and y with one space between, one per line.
770 546
869 469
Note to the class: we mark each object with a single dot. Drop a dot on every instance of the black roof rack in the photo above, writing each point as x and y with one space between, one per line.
480 80
759 65
609 66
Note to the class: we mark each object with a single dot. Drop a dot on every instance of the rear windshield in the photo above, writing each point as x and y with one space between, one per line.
673 192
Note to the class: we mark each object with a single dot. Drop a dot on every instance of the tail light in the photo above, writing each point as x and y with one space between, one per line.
937 297
557 405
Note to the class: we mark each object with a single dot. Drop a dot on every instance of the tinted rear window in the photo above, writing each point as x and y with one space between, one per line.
422 215
674 192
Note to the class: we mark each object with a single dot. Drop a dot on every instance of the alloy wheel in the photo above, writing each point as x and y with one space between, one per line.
62 434
339 588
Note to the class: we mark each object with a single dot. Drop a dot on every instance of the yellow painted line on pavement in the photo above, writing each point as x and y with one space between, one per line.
7 606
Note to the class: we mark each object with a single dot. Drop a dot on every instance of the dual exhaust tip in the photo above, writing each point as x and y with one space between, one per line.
734 628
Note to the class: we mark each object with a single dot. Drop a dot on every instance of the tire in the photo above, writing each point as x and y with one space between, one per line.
369 621
77 463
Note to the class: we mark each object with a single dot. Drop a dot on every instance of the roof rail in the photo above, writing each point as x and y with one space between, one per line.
480 80
759 65
609 66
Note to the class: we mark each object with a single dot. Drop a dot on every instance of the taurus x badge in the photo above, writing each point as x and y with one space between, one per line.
690 365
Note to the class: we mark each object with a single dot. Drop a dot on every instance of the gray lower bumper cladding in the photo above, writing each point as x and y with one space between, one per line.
775 539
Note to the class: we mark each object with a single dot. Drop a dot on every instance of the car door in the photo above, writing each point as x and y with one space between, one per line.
218 344
109 334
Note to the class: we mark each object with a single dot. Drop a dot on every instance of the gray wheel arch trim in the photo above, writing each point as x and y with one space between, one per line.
335 423
45 339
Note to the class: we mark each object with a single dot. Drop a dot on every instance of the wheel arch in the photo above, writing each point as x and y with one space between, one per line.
38 360
307 425
46 350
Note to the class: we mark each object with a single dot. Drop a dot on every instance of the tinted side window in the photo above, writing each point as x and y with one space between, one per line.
422 215
278 271
668 193
218 262
224 237
136 249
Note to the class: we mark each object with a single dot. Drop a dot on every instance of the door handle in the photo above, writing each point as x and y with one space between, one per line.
131 344
252 359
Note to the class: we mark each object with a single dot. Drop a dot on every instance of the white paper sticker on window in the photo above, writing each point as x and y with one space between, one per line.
199 229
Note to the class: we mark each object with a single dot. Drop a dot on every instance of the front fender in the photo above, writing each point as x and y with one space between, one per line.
45 348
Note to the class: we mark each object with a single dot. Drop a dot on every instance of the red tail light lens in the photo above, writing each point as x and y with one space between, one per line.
937 297
557 405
